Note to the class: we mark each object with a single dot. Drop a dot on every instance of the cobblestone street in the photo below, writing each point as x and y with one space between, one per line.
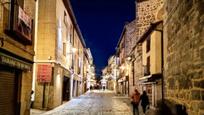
93 103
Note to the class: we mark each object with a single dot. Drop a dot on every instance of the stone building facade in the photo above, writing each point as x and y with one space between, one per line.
16 55
124 47
59 55
110 73
146 13
184 54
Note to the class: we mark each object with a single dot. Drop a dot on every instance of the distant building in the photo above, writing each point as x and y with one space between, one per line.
103 83
124 47
90 79
111 73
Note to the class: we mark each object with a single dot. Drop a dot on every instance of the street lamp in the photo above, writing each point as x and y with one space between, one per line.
122 67
74 50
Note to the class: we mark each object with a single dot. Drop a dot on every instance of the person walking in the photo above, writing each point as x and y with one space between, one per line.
135 99
144 101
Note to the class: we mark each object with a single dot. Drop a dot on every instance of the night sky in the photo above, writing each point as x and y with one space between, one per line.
101 23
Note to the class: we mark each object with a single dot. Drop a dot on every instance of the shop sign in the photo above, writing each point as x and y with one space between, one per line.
24 17
13 62
23 25
44 73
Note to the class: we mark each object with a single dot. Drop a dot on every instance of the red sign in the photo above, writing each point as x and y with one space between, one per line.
44 74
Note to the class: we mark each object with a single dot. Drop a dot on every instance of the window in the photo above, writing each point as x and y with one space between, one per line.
71 35
148 41
16 22
64 49
65 19
133 72
147 67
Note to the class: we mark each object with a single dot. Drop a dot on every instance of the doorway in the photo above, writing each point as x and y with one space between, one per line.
66 89
10 90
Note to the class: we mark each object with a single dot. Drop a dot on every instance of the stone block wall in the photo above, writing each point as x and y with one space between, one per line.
129 37
136 70
146 11
184 64
145 15
47 30
26 88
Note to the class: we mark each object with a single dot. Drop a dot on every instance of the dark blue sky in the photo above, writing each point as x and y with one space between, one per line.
101 23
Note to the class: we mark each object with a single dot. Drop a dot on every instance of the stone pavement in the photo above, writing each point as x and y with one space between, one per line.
96 102
36 112
93 103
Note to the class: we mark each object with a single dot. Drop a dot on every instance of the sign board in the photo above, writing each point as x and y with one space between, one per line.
23 25
14 62
44 73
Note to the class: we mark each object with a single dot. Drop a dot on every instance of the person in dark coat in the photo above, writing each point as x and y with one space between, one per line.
144 101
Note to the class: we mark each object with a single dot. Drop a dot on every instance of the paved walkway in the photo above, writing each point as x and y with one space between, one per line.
93 103
96 102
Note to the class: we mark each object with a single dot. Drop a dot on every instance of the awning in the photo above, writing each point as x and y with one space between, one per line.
150 78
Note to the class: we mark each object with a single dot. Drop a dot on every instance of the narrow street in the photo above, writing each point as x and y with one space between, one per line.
145 57
96 102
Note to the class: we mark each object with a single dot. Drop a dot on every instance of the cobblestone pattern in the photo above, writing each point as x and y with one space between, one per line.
184 68
93 103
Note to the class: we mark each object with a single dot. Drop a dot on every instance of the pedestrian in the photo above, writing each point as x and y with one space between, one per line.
31 100
144 101
135 99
